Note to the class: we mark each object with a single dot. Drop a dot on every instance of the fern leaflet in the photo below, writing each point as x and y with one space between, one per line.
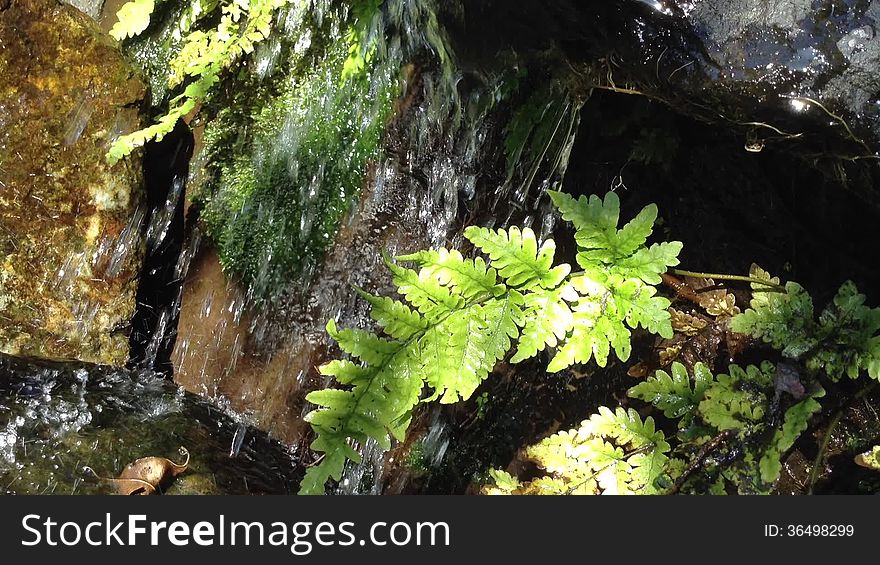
133 18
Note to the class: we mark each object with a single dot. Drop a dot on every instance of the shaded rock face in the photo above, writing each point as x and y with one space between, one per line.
69 223
800 76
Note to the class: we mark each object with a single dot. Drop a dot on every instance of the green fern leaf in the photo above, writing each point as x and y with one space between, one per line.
471 277
548 319
397 319
649 263
627 427
797 419
614 452
729 405
592 337
132 19
459 317
843 342
784 320
643 308
673 393
431 298
516 255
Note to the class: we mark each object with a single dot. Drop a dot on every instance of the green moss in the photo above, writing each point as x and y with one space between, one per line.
278 192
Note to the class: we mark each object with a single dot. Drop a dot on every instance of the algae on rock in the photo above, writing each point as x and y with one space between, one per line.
69 222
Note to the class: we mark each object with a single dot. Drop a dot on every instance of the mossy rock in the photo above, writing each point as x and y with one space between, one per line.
69 222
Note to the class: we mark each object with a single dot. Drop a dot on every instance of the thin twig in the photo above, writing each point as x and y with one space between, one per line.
823 447
717 276
707 450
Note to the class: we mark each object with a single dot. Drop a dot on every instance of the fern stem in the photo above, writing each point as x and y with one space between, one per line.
740 278
643 449
697 463
823 447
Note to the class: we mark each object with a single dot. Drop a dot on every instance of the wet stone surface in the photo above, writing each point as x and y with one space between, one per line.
57 418
70 243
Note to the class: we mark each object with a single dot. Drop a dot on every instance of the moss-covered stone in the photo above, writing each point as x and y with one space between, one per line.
69 223
278 192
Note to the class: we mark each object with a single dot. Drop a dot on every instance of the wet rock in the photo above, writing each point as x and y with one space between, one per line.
799 76
69 223
57 418
90 7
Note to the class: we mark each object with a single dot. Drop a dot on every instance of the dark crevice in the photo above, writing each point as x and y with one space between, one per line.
154 324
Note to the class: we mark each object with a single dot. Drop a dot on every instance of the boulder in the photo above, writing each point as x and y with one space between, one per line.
70 224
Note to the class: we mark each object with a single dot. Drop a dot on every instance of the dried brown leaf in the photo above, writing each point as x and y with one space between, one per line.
145 476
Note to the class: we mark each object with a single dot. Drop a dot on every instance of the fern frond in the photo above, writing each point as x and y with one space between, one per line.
396 318
796 420
426 293
843 342
132 19
673 393
648 263
595 222
382 394
460 316
729 405
471 277
614 452
516 255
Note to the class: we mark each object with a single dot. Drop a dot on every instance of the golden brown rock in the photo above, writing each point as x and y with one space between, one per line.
70 243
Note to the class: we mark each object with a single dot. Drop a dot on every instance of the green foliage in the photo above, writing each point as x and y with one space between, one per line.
133 18
674 393
273 211
461 316
845 340
360 50
616 283
735 428
614 452
203 56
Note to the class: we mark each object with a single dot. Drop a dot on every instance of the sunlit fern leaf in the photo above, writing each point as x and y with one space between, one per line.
596 221
396 318
627 427
431 298
132 19
471 277
459 317
584 343
648 263
516 256
548 319
644 309
464 348
614 452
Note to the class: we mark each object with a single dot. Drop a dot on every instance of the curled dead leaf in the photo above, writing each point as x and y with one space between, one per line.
685 323
145 476
716 301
